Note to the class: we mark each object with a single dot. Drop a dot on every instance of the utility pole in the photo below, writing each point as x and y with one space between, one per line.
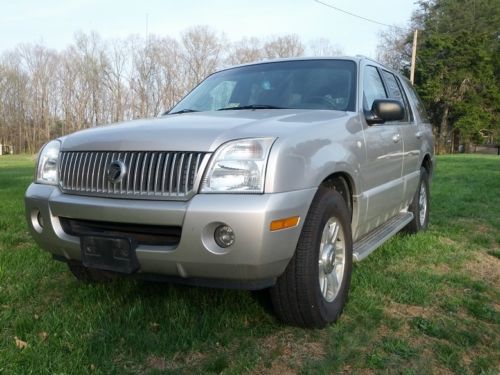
413 56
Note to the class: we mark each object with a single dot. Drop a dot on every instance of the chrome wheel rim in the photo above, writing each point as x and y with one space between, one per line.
331 261
422 204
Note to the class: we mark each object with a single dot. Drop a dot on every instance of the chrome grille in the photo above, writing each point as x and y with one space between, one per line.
149 175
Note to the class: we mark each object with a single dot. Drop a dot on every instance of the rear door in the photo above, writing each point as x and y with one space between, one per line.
410 137
418 135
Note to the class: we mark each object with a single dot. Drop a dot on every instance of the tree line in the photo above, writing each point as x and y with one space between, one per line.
45 93
457 69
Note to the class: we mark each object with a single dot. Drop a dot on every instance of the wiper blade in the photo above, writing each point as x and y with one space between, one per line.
187 110
252 106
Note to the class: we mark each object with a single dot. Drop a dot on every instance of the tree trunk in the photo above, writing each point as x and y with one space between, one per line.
443 132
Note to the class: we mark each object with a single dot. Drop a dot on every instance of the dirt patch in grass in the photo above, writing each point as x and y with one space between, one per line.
438 370
482 228
156 363
178 362
289 353
349 370
292 348
192 359
478 225
440 269
401 310
484 267
448 241
277 368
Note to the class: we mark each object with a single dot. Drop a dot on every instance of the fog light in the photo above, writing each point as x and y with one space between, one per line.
224 236
39 218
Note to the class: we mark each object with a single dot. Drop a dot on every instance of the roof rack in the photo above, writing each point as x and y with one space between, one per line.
369 58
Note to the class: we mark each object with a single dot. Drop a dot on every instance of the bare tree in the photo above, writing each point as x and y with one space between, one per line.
323 47
244 51
93 64
284 46
46 93
13 103
115 80
202 53
40 65
172 86
394 49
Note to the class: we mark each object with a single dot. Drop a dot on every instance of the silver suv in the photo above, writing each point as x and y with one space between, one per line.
274 175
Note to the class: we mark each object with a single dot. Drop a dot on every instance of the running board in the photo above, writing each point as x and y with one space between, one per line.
371 241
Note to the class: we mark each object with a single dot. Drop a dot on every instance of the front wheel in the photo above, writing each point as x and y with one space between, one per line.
313 289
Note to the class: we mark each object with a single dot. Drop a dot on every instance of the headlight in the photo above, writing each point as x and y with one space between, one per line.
238 167
46 171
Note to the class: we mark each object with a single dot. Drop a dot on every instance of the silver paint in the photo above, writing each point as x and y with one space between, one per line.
381 162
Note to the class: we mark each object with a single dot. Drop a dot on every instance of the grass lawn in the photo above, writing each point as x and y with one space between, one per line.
421 304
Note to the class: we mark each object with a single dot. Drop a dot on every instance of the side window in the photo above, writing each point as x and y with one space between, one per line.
407 101
373 88
416 100
394 91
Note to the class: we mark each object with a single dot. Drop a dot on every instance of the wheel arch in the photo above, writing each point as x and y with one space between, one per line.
344 184
427 164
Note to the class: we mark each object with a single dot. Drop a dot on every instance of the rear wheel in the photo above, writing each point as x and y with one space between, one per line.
420 205
313 289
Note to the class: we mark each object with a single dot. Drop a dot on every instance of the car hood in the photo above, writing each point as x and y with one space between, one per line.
202 131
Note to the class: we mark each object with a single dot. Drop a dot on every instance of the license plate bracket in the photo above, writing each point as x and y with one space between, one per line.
107 253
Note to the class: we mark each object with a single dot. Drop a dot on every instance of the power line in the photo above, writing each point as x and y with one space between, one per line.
358 16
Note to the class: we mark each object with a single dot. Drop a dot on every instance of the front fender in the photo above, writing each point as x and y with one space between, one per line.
304 159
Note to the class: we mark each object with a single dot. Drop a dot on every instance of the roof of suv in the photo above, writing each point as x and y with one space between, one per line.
357 59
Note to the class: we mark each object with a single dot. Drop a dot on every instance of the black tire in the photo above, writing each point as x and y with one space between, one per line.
89 275
297 297
419 223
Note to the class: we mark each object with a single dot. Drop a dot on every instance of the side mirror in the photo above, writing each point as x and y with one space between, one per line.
385 110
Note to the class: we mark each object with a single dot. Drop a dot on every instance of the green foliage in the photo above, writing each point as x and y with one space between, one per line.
457 69
457 66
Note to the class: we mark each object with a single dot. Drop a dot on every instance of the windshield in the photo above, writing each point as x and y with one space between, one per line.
301 84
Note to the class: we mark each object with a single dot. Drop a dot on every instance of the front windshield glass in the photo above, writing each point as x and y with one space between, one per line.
301 84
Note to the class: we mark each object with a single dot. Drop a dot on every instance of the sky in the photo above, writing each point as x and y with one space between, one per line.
54 22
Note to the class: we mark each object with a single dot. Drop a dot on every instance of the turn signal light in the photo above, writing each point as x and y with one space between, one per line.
289 222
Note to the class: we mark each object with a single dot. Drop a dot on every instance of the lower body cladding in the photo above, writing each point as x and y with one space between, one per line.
176 240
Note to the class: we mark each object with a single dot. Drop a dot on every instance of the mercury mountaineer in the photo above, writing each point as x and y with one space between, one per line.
276 175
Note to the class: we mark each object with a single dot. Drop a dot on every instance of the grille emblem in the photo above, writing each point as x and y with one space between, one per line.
116 171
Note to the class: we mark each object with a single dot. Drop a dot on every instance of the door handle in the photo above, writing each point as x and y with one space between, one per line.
396 137
418 135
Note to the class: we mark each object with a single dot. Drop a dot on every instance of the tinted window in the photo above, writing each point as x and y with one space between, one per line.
392 86
304 84
373 88
416 101
394 91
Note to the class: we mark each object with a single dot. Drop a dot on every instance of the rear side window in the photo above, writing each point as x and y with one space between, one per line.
373 88
416 100
394 91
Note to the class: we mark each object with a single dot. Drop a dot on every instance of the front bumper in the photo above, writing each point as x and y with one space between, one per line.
257 254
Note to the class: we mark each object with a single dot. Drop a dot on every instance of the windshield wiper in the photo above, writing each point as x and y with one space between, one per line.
187 110
251 106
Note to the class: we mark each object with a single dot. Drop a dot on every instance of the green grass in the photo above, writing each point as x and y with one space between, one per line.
419 305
